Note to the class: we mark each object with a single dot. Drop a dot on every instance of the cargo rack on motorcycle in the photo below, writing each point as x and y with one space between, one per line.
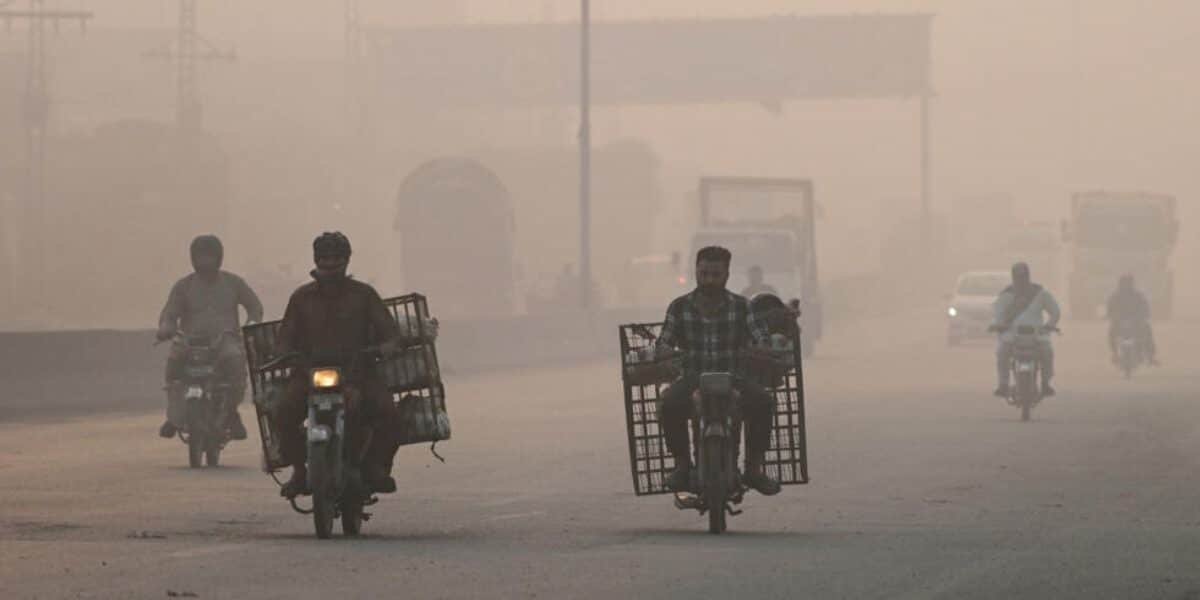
645 378
412 377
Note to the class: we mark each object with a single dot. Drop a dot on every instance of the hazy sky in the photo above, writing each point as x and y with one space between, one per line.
1034 99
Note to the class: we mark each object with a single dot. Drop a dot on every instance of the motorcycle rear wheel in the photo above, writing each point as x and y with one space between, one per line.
212 456
715 491
352 517
195 450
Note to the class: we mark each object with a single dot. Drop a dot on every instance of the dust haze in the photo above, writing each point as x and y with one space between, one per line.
885 162
1031 102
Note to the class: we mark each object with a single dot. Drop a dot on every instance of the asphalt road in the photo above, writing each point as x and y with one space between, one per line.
923 487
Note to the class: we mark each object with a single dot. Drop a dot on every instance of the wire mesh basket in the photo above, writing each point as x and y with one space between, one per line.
645 379
269 389
412 378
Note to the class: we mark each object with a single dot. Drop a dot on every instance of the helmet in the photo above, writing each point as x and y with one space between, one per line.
331 244
1020 273
765 302
207 245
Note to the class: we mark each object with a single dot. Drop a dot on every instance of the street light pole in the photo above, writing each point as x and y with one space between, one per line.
585 159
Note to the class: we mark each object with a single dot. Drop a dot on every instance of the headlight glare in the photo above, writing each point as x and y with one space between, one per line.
326 378
952 311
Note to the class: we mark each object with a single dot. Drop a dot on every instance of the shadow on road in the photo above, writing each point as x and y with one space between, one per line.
372 537
212 470
691 535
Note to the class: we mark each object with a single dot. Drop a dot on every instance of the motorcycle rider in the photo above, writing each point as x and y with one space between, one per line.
1128 304
711 326
336 316
1024 303
757 285
205 303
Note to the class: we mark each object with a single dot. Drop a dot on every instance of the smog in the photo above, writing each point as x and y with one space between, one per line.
526 193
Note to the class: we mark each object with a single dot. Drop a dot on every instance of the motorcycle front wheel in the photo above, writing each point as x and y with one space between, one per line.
320 473
715 491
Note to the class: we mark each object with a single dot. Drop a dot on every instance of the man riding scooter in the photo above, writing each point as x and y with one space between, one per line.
337 316
1024 303
205 303
1129 306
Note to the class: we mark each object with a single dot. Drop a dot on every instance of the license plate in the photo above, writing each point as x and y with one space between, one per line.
194 392
1024 367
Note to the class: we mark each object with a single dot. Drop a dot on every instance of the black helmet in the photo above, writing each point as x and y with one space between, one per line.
765 302
207 245
331 244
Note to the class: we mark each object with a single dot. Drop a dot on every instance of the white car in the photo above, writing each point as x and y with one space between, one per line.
970 309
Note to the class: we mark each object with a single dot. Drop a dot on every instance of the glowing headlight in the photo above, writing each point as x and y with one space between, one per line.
952 311
326 378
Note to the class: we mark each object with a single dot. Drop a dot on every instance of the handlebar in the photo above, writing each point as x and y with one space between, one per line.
370 352
180 336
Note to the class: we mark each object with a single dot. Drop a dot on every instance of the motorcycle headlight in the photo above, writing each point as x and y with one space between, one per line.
952 311
326 378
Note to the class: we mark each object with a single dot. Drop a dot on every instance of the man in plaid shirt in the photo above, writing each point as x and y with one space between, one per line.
712 328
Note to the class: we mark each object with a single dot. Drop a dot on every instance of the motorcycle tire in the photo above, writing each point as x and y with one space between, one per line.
352 517
1026 389
212 456
715 477
195 450
320 473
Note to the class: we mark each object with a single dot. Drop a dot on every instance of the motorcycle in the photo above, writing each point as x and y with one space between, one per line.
203 415
1025 365
335 477
716 426
716 486
1129 351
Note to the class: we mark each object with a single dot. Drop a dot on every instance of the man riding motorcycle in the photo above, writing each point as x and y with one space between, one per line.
1129 305
335 315
711 326
1024 303
205 303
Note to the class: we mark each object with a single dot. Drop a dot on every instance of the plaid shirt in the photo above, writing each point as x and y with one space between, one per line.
711 344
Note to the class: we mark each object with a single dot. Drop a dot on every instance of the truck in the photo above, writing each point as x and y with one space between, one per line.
769 223
1117 233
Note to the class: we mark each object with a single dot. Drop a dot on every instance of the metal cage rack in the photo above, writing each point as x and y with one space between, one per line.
412 377
645 379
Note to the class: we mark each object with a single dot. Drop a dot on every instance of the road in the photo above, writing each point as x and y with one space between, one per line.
923 487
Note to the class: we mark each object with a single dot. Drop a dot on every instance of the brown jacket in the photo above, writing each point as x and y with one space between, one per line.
335 319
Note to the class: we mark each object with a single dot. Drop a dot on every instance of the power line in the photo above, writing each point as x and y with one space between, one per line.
35 121
186 52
